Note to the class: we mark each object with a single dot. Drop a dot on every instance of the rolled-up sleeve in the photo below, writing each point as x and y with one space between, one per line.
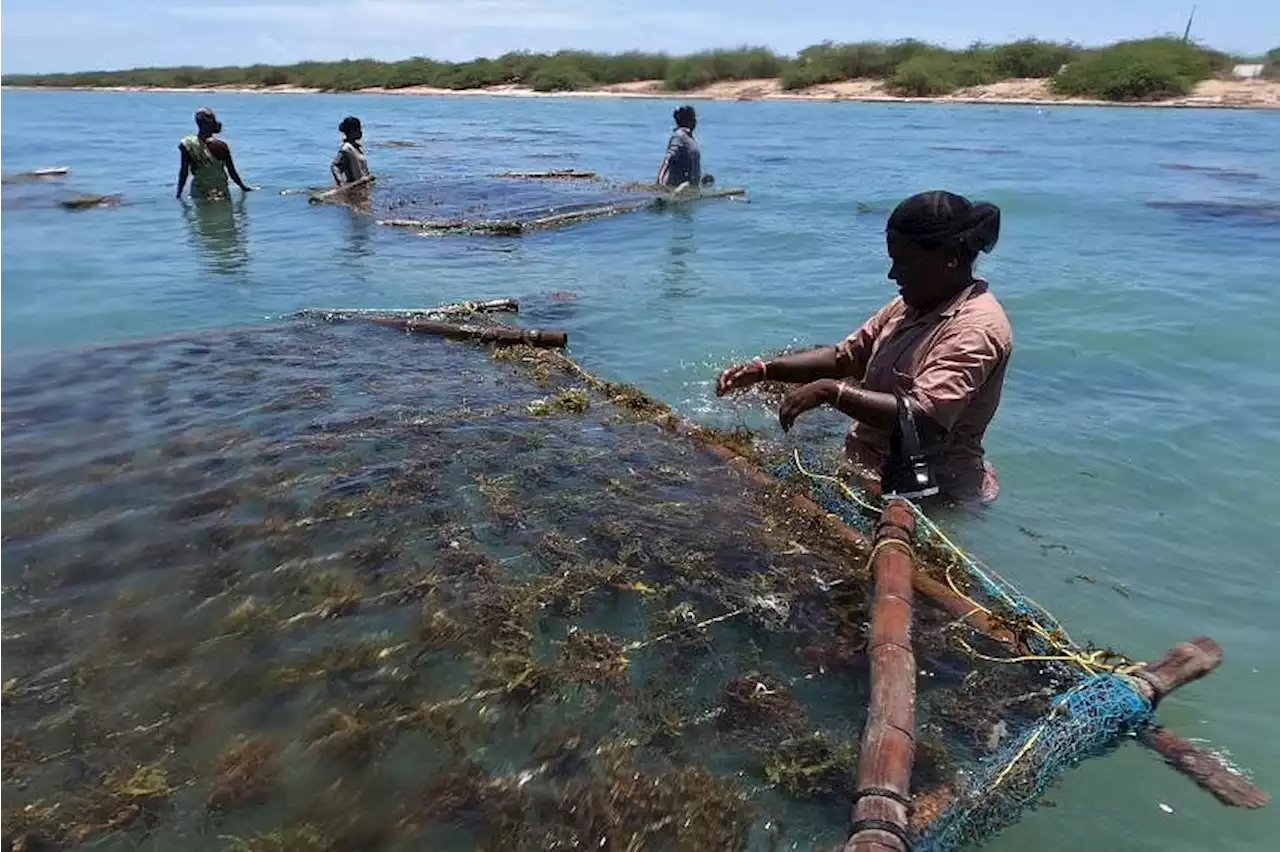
956 368
853 353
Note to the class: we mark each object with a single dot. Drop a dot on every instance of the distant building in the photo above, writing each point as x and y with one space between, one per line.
1247 72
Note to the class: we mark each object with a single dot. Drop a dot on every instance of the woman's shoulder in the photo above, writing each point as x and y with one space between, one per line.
983 310
892 309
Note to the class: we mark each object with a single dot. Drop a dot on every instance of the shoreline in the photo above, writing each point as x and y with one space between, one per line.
1209 94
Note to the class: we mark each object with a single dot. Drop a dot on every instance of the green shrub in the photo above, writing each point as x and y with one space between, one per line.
924 75
1271 64
1125 71
702 69
1139 70
974 67
560 77
1030 58
830 63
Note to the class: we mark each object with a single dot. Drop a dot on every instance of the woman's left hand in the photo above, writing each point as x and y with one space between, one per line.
802 399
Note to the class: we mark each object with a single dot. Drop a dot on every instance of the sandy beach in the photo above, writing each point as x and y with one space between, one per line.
1234 93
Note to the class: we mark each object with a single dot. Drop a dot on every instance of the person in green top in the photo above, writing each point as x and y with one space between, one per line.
207 159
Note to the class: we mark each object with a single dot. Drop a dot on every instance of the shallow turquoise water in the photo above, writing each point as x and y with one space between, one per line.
1140 434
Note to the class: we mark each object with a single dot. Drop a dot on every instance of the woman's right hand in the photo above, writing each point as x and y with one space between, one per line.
739 377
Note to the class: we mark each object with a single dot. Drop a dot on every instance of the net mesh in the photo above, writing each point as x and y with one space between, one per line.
510 204
329 586
1095 704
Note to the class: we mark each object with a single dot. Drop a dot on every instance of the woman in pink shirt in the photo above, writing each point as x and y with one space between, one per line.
937 353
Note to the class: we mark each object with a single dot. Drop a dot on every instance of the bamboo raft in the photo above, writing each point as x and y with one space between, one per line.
37 175
516 227
551 174
511 203
496 595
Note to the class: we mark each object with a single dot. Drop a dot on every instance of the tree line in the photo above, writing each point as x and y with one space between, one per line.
1147 69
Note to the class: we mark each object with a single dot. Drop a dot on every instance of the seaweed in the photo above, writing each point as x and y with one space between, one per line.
567 401
580 628
245 774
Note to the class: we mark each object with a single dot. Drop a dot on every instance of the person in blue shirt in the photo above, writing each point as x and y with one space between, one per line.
682 165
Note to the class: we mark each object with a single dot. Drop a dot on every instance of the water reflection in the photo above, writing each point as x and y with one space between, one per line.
218 229
680 279
356 250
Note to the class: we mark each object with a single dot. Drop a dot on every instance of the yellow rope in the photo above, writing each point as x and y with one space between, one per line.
890 542
1069 652
849 492
1057 637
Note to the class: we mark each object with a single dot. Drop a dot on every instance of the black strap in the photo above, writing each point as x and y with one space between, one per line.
881 825
882 793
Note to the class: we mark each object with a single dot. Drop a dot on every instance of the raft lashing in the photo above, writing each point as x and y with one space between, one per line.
328 586
510 203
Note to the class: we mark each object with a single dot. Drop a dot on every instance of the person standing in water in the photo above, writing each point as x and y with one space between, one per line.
350 165
682 164
939 349
207 160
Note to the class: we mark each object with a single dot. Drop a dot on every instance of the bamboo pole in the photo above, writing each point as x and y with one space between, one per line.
880 814
1205 768
337 192
552 174
459 309
503 335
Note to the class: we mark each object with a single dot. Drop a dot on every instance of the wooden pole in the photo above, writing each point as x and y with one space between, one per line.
880 815
460 309
1209 771
552 174
339 191
503 335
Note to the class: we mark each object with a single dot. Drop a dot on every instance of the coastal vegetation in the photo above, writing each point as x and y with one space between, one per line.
1126 71
1271 64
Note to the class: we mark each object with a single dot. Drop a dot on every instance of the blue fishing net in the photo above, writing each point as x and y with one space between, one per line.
1086 720
1091 712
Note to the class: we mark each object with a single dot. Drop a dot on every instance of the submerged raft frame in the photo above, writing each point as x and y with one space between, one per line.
882 802
886 818
516 227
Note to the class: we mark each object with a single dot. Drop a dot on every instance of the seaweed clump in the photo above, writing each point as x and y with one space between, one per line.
245 774
688 810
593 657
756 701
813 765
567 401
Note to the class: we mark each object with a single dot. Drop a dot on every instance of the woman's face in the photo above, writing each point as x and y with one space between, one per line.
924 277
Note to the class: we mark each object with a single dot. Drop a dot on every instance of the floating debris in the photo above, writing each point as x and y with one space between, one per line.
86 202
36 174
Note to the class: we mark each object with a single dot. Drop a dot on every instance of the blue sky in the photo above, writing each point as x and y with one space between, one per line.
66 35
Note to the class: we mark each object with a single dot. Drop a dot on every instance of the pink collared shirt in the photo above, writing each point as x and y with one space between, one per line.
951 361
